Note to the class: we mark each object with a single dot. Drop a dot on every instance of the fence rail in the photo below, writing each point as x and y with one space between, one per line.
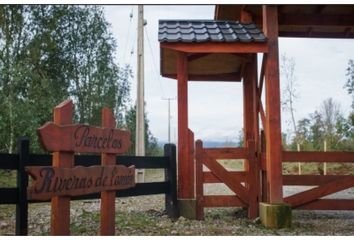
18 195
311 199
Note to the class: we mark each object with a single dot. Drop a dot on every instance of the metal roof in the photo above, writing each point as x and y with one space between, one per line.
208 31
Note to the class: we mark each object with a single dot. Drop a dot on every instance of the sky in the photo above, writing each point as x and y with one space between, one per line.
215 108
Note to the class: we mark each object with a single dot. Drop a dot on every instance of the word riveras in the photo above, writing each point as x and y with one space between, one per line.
53 181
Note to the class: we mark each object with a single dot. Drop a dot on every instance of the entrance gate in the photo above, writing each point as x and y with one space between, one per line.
244 184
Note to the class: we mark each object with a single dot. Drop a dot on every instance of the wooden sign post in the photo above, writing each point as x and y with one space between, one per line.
61 181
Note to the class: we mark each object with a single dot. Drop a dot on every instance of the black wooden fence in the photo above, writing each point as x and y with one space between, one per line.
23 158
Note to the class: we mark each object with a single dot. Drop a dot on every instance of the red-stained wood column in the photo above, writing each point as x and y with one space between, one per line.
108 208
272 87
185 182
251 134
60 215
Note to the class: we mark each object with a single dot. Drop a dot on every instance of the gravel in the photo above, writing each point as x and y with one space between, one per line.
145 215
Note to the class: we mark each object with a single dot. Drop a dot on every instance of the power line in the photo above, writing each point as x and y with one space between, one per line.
157 75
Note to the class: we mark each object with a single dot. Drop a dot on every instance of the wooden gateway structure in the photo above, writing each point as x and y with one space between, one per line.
226 49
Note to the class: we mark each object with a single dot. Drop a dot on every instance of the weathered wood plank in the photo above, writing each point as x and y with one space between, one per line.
320 191
329 204
223 201
54 181
223 174
310 180
292 156
83 138
226 153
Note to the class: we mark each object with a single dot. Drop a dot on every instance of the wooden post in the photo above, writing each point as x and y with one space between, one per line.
22 182
60 216
199 180
264 179
108 208
170 175
299 163
184 176
273 127
253 179
191 164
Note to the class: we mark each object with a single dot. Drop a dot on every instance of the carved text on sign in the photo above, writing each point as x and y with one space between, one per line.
53 181
84 138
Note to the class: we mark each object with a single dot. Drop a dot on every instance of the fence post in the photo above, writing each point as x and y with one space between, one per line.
22 183
171 177
199 180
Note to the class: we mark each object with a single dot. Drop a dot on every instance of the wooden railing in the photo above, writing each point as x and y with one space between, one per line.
325 184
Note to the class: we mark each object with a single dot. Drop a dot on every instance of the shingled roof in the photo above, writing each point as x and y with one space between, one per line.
208 31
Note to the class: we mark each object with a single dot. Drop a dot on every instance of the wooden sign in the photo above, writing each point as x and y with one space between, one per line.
61 181
83 138
54 181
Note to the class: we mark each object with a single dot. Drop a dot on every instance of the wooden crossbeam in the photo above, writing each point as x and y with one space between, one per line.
263 116
299 199
225 176
223 201
329 204
310 180
292 156
210 177
217 47
226 153
261 76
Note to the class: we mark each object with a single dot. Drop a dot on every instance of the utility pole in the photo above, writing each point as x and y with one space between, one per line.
140 123
169 117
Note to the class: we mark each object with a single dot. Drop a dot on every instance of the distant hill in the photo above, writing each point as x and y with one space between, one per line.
210 144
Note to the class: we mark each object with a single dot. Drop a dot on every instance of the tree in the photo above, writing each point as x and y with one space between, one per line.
350 80
151 146
289 94
49 53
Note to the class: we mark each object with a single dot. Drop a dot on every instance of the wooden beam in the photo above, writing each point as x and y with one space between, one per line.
297 34
226 77
246 16
263 115
108 198
223 174
261 76
313 194
199 187
313 20
196 56
182 88
223 201
340 157
226 153
217 47
310 180
60 206
329 204
210 177
191 170
253 180
273 122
